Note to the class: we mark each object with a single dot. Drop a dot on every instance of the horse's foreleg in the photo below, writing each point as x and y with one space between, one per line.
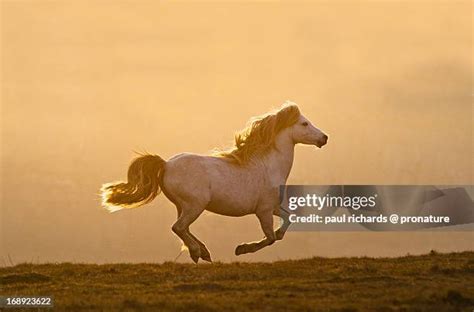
181 228
266 222
285 217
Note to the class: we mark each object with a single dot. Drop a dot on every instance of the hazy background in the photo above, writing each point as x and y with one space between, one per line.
84 83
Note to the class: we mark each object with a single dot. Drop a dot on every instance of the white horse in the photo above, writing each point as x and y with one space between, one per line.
244 180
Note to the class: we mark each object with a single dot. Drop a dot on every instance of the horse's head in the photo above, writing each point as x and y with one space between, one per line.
303 131
262 132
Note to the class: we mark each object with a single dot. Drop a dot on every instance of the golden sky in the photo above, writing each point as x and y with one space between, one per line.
86 82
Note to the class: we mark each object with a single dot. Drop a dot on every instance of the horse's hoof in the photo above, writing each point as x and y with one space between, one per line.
195 258
205 254
206 258
195 254
240 250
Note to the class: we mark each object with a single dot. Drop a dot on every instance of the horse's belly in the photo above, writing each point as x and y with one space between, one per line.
231 207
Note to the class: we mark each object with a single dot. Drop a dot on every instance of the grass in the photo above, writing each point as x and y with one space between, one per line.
433 282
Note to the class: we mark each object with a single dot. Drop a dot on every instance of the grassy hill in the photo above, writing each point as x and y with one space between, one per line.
434 282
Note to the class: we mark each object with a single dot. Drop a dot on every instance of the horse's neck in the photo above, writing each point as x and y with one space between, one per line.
280 160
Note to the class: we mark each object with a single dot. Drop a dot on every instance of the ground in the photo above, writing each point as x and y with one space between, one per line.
433 282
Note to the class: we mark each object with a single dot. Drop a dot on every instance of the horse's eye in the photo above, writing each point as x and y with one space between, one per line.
304 124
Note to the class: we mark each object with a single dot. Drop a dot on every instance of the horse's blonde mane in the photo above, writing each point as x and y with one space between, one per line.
259 136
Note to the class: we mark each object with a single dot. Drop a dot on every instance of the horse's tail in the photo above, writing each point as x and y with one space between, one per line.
141 188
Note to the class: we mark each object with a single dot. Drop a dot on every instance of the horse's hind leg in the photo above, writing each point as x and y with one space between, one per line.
181 227
205 254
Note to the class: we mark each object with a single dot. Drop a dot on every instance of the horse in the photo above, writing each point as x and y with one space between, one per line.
242 180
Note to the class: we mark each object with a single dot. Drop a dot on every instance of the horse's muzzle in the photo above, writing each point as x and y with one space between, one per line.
322 142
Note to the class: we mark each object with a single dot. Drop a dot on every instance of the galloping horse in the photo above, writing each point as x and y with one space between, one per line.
243 180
